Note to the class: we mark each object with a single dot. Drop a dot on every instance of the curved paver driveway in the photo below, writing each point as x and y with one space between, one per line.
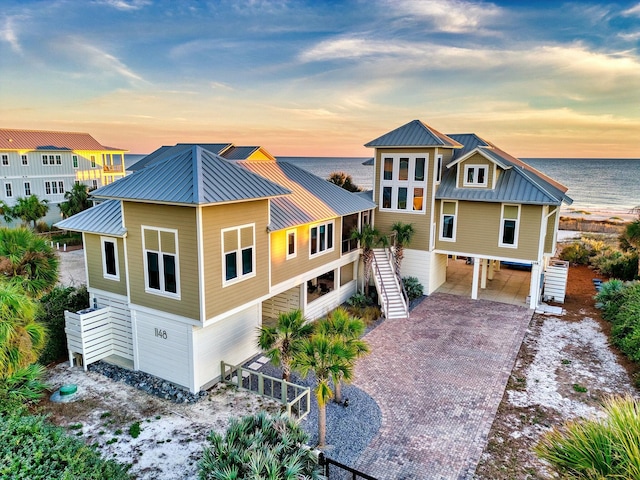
438 379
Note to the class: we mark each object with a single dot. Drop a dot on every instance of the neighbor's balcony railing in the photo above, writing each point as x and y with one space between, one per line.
112 168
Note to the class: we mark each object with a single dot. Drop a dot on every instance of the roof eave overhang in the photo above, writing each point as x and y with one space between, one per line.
188 204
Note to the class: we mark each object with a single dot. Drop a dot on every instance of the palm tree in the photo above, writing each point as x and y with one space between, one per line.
368 238
30 209
404 232
281 342
5 211
632 236
28 260
77 200
343 180
327 357
348 329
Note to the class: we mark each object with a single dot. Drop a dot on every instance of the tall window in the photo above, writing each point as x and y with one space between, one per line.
449 211
24 159
403 183
75 161
291 244
321 238
238 248
61 187
58 160
27 189
5 160
438 168
93 161
475 175
160 247
8 189
110 258
94 184
47 188
45 160
509 226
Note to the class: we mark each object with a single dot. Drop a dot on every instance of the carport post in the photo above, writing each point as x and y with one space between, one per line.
476 274
483 278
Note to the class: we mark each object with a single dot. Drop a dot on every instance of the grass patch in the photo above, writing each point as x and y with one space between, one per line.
579 388
134 430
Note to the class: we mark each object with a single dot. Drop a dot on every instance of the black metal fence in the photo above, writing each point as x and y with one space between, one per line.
336 470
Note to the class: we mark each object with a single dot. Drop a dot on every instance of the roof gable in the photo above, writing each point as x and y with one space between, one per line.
192 176
414 134
13 139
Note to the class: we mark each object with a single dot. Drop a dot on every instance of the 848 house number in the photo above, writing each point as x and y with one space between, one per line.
161 333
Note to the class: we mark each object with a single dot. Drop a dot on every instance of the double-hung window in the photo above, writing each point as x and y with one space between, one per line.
93 161
321 238
448 215
291 244
438 167
45 160
8 189
161 263
25 160
75 161
5 160
58 160
238 253
509 226
61 187
403 183
110 258
27 189
475 175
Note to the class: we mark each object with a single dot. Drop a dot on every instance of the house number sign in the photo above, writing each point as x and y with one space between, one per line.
161 333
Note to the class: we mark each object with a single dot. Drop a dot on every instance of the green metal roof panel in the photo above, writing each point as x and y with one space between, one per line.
103 219
414 134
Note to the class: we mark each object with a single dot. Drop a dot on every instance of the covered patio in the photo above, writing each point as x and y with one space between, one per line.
508 285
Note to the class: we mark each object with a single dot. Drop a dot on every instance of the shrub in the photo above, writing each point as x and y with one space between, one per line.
610 297
616 264
32 448
259 446
359 300
600 448
42 227
575 253
625 331
52 316
413 287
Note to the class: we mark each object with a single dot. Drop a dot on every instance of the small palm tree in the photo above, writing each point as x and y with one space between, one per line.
368 238
30 209
77 200
281 342
27 259
326 357
632 236
348 329
5 211
404 233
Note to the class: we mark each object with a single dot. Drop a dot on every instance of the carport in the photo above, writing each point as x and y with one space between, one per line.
505 284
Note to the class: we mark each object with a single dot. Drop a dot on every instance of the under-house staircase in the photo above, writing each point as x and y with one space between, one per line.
393 298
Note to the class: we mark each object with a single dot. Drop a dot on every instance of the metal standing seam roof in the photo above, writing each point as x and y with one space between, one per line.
12 139
414 134
104 219
312 198
193 176
239 153
166 151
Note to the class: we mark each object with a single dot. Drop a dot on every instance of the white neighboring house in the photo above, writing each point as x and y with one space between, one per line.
48 163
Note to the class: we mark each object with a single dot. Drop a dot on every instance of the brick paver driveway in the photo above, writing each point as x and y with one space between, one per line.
438 379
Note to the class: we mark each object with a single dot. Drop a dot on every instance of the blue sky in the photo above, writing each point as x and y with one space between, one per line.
540 79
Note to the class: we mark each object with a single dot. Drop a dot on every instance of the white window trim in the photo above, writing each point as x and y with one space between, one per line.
4 188
8 164
25 188
517 229
74 161
437 170
476 168
295 244
240 277
333 240
23 157
106 275
162 292
410 184
455 221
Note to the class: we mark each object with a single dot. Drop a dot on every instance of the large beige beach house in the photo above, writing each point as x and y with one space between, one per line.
204 243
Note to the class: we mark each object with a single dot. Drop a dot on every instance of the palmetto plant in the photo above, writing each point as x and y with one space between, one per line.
368 238
348 329
326 357
280 342
632 236
259 447
26 259
77 200
404 233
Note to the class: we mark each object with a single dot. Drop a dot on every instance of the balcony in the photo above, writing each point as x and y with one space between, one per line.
112 169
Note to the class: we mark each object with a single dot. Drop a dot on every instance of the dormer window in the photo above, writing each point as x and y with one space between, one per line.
475 176
403 183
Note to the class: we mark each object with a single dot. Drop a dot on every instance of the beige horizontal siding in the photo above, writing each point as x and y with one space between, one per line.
476 159
95 258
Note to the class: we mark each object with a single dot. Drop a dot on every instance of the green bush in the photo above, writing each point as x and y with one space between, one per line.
625 331
52 316
604 448
259 446
413 287
610 297
616 264
359 300
31 448
575 253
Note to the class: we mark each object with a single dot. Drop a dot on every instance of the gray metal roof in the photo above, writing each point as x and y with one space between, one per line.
167 151
238 153
469 142
414 134
104 219
312 198
192 176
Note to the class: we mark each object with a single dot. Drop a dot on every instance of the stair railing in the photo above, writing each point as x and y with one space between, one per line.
392 258
378 276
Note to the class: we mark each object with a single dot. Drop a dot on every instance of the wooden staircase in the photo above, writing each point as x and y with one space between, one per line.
393 299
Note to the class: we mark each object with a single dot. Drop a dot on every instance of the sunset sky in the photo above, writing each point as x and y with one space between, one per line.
312 78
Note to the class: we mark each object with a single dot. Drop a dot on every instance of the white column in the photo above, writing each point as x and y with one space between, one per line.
476 275
534 286
483 277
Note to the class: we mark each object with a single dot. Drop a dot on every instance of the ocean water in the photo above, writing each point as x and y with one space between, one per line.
611 185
